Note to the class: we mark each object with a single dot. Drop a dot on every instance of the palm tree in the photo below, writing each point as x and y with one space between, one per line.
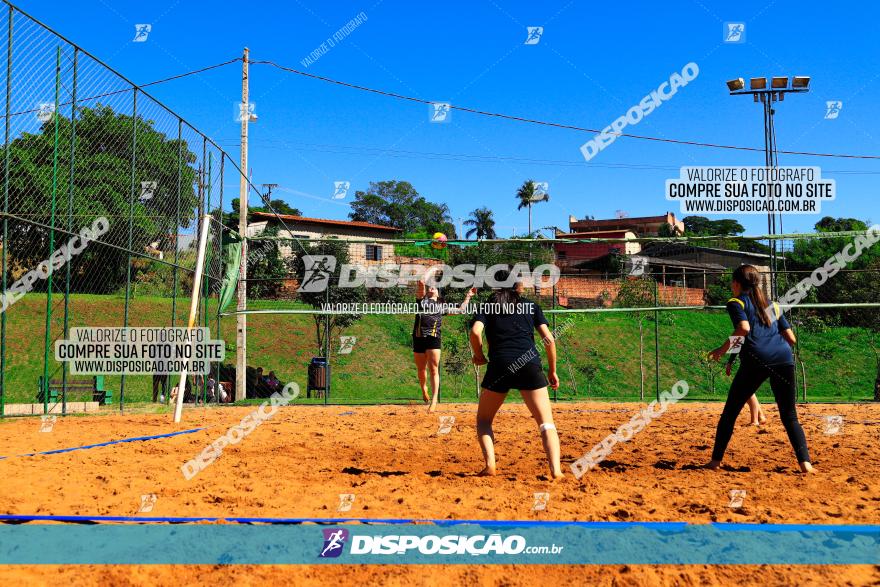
483 224
528 194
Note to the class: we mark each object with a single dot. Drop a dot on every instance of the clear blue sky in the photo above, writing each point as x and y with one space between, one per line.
594 61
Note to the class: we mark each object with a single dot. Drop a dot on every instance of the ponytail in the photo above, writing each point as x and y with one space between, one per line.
748 277
505 295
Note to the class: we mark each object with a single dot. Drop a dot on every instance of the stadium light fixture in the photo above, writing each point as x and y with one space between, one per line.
767 95
779 83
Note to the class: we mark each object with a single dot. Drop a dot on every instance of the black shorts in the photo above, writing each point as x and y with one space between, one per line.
423 343
501 379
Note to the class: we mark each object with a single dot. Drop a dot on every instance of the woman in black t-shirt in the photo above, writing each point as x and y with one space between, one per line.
426 338
509 321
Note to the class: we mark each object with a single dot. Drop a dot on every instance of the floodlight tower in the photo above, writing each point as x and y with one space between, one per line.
767 96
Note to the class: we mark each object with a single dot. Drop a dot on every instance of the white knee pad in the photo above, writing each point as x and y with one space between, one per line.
545 427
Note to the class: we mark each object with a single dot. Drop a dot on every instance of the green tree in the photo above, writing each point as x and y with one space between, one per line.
861 285
332 294
482 223
230 219
529 195
267 268
702 226
398 204
725 227
102 186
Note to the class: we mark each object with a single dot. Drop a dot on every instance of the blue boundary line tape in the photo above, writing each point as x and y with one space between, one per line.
667 526
108 443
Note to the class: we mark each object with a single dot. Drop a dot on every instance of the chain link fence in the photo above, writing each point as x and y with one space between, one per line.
83 145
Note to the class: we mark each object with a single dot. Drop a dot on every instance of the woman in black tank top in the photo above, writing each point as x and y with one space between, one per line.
426 337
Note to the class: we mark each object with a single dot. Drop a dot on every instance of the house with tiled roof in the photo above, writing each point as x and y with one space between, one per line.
367 252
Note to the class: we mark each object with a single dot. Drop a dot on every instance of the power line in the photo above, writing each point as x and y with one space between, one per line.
548 123
189 73
124 90
368 151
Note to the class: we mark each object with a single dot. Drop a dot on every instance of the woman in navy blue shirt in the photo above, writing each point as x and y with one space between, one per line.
766 354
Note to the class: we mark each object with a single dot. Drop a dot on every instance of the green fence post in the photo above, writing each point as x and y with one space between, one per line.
48 335
69 224
657 340
559 344
327 343
130 230
208 261
222 270
5 210
177 221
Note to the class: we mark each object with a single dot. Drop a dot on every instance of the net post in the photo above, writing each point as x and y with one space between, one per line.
327 342
193 307
222 265
656 340
553 317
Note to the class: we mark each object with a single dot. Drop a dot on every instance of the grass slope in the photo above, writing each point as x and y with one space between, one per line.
598 353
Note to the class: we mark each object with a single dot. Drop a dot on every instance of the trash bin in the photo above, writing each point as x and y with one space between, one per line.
317 377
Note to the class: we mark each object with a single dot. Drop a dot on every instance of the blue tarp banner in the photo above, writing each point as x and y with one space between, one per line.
447 542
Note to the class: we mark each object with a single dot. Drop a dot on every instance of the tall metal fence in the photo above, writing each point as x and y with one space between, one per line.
628 325
85 148
83 143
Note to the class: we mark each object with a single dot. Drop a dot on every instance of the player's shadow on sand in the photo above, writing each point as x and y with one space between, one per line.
742 469
356 471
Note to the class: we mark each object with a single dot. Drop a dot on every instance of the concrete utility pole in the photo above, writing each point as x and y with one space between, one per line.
241 319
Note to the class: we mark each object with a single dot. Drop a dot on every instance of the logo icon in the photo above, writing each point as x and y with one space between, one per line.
317 272
833 425
346 500
440 112
734 32
541 501
147 503
141 32
346 344
147 190
45 110
832 109
245 112
47 422
534 34
737 497
638 265
542 191
340 189
736 344
334 540
446 423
